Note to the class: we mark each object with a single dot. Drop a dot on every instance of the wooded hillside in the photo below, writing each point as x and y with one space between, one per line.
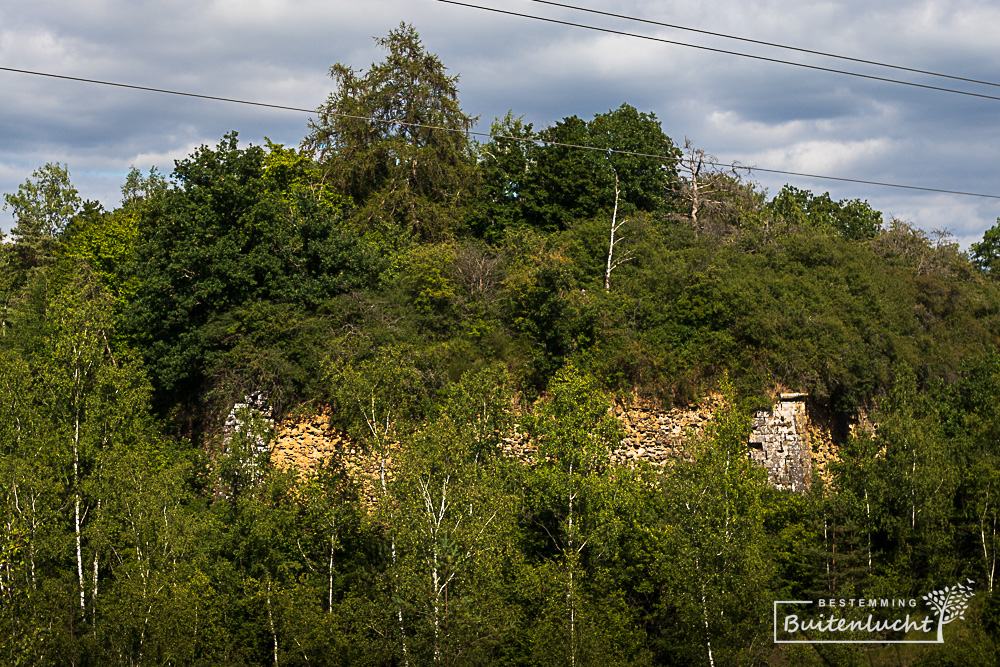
420 284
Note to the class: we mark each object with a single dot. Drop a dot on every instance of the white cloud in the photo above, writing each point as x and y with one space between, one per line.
824 157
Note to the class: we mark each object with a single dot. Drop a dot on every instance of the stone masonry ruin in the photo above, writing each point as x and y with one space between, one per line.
783 440
780 442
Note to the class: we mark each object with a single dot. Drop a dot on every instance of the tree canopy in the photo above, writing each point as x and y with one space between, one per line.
395 140
246 230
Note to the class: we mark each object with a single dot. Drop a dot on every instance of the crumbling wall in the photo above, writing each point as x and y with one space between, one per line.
651 434
781 440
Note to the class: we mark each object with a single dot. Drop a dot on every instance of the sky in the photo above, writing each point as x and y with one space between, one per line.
757 113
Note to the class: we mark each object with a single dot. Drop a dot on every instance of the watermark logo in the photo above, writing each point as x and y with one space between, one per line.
873 620
949 604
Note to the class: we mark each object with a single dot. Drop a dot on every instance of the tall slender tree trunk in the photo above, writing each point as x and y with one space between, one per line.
708 634
270 620
435 582
868 511
695 199
704 614
93 592
329 596
392 548
76 498
913 493
611 241
989 561
31 551
570 593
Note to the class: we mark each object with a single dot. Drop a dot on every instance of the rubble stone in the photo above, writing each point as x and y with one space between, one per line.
783 441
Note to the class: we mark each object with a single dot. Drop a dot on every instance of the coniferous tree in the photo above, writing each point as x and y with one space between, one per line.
394 139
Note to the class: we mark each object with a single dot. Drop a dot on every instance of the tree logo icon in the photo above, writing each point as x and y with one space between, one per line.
949 603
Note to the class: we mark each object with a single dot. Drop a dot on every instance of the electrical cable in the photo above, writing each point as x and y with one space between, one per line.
522 140
771 44
870 77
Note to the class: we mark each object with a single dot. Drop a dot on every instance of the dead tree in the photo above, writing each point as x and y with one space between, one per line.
613 263
705 182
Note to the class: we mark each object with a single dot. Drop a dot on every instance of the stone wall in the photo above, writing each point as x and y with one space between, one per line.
783 440
780 442
304 442
657 435
651 435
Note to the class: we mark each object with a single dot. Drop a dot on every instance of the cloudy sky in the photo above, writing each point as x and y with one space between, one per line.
762 114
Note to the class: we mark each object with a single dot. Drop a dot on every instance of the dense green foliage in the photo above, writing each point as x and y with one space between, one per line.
393 140
422 285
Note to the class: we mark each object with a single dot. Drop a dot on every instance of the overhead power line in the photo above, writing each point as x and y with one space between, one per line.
665 158
870 77
771 44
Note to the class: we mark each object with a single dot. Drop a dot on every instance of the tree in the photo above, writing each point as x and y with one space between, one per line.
853 219
139 189
566 183
80 358
640 154
107 242
245 227
504 164
453 520
919 480
575 433
30 516
859 485
378 401
614 262
971 418
77 449
259 522
704 184
986 253
711 544
43 206
395 139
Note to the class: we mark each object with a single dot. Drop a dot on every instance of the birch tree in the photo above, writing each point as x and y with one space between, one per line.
257 518
859 486
376 402
76 408
43 206
32 522
452 522
982 511
614 238
79 335
919 479
574 433
714 571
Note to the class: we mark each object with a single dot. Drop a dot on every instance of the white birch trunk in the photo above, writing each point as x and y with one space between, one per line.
76 500
989 561
329 598
708 635
270 620
570 601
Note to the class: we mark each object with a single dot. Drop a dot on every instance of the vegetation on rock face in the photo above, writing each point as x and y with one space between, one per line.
421 284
